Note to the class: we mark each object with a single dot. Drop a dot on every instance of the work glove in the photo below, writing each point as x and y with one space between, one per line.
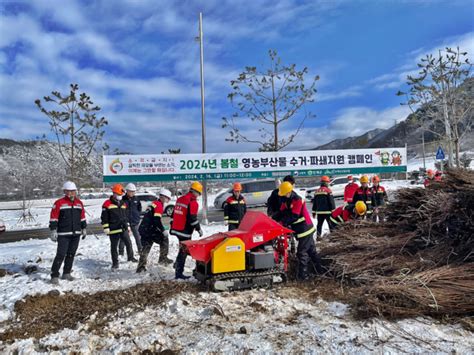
166 234
226 223
84 233
314 214
129 231
201 233
107 231
54 235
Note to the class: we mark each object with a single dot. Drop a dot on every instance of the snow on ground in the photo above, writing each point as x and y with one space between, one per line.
278 320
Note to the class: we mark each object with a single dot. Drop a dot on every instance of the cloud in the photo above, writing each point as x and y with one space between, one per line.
351 122
398 78
352 91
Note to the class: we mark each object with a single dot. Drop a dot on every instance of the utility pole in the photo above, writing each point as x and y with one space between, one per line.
203 125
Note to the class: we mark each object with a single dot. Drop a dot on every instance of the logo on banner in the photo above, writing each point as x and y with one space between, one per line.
116 166
396 158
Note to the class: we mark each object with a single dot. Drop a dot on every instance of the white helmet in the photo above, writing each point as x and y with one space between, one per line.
70 186
166 193
131 187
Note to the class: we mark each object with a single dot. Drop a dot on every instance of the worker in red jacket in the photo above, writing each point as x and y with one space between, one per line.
184 223
430 178
115 222
67 223
343 214
152 231
364 193
380 197
294 215
234 207
323 204
350 189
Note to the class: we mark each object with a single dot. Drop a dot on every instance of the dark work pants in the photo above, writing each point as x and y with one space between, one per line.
147 243
114 242
321 219
181 258
306 252
233 226
137 237
67 247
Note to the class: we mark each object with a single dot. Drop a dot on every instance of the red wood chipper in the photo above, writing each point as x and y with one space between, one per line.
255 255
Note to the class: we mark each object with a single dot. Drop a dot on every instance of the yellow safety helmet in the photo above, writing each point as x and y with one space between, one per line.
196 186
285 188
360 207
364 179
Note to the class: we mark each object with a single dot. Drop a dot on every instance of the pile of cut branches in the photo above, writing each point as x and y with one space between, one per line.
420 261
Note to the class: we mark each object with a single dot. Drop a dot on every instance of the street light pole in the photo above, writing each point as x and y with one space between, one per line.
203 126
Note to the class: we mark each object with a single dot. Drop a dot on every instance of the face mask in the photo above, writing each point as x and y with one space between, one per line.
118 197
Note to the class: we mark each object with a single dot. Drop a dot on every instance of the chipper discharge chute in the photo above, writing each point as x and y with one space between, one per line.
255 255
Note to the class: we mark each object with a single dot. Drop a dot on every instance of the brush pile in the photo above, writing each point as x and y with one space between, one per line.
420 261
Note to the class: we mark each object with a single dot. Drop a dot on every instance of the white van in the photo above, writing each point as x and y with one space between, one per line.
256 193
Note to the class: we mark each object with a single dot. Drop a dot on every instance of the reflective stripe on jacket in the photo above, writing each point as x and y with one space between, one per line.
185 219
234 209
152 224
323 200
68 217
294 215
114 216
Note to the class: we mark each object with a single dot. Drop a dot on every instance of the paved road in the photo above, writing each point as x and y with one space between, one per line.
96 228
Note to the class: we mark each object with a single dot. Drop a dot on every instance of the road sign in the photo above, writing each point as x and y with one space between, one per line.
440 154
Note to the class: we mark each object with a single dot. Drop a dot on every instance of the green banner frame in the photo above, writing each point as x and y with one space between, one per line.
255 175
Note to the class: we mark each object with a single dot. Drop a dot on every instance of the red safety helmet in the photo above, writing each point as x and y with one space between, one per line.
375 178
325 178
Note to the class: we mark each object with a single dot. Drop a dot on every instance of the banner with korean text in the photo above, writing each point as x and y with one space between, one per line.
215 166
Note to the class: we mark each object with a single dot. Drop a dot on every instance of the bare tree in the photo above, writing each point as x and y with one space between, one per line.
436 91
77 129
270 98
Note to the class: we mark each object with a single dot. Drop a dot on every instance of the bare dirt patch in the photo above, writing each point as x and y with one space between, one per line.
39 315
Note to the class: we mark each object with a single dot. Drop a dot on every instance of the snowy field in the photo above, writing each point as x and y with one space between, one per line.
279 320
10 211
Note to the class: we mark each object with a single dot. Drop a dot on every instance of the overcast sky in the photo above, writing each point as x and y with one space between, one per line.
139 61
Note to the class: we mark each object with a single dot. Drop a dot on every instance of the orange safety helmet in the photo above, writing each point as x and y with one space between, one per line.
237 186
118 189
325 178
375 178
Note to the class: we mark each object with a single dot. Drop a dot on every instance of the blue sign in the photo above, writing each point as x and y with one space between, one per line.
440 154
